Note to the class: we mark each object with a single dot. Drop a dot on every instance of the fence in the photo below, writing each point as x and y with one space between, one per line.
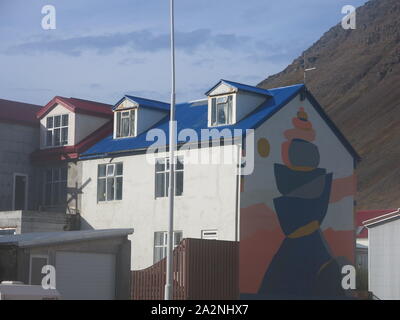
203 269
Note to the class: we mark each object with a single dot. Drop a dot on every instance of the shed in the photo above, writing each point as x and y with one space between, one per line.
89 264
384 256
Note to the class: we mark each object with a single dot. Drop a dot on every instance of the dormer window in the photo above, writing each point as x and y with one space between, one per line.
221 110
57 130
125 124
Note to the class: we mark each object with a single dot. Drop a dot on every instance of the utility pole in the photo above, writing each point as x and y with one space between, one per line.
171 188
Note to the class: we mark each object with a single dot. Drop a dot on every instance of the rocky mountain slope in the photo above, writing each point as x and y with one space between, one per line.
358 84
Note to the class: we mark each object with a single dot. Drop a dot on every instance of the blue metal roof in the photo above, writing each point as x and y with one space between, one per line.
194 115
146 103
241 86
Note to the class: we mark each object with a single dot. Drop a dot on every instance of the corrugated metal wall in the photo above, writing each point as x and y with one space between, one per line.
203 269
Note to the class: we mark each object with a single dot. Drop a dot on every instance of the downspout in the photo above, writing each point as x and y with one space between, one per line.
238 188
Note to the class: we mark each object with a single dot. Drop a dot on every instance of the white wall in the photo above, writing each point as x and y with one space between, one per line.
208 202
261 186
384 260
87 124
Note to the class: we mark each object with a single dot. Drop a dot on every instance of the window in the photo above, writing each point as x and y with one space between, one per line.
109 182
125 123
209 234
57 130
37 262
161 243
55 186
221 110
162 177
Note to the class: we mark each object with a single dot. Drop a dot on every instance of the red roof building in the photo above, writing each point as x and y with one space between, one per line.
19 112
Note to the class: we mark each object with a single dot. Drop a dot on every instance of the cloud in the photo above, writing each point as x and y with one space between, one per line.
141 41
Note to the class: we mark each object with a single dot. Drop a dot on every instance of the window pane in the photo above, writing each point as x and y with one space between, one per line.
119 189
65 120
110 170
102 170
63 192
158 238
160 166
56 174
64 174
125 127
119 169
158 254
57 136
160 182
49 138
49 175
221 114
229 111
64 136
213 111
179 183
179 164
110 189
101 190
49 122
177 238
118 131
47 194
56 193
133 113
57 121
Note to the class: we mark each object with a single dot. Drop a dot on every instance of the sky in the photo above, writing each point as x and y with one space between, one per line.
103 49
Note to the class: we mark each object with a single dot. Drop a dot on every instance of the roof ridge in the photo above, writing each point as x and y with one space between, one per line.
131 96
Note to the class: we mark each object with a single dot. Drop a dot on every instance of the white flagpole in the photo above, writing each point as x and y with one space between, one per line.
171 187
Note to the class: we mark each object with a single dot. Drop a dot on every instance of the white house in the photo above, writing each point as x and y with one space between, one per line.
279 178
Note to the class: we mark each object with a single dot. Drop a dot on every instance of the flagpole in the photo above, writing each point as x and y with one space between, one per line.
171 186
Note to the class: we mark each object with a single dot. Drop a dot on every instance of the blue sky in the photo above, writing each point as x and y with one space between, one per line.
103 49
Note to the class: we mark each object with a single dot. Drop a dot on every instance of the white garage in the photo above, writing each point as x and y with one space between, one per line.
81 276
88 264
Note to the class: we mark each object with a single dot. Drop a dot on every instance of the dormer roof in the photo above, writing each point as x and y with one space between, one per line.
236 86
78 106
145 103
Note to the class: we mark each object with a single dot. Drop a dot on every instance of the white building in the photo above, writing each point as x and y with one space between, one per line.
296 151
384 256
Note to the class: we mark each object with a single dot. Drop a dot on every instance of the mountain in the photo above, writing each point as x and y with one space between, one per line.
357 81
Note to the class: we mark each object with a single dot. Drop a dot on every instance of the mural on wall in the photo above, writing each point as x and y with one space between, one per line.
297 260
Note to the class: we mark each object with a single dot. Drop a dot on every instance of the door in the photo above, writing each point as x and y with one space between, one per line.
20 191
85 276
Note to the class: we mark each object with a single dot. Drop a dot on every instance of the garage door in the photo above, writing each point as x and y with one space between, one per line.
83 276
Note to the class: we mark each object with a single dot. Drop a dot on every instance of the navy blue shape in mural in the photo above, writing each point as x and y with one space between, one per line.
303 266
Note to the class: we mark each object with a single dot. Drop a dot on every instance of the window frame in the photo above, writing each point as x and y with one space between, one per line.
164 245
215 107
52 183
53 128
115 176
31 257
165 179
118 123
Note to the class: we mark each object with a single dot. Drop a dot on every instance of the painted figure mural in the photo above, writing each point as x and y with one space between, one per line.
303 266
300 259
